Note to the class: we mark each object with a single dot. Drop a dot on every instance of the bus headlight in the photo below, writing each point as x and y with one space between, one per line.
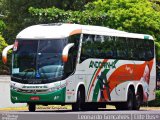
52 89
14 88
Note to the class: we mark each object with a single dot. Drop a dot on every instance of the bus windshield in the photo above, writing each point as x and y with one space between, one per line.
38 61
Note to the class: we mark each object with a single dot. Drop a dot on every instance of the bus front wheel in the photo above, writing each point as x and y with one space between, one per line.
31 107
79 105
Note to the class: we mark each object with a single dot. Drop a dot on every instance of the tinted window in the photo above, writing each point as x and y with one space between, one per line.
97 46
131 47
121 48
149 48
109 47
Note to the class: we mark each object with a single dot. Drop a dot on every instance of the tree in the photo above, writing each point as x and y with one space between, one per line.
156 4
2 25
17 16
139 16
129 15
4 69
3 44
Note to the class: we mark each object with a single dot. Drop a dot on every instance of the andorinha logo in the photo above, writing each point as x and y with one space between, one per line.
39 87
99 64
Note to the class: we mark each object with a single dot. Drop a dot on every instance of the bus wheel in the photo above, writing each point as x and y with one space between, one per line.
127 105
119 106
79 105
137 101
90 107
31 107
94 107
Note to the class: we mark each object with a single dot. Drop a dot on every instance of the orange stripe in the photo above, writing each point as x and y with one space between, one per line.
64 58
4 59
78 31
121 75
105 94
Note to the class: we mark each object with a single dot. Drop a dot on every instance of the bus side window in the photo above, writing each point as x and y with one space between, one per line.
87 50
97 46
108 47
140 49
149 48
121 45
132 50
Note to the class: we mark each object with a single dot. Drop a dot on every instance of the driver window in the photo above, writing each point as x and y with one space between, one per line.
70 65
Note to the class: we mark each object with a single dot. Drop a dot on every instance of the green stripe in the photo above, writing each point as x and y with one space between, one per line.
146 37
96 91
97 88
91 80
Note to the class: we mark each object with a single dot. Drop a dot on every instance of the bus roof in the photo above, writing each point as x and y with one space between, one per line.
60 30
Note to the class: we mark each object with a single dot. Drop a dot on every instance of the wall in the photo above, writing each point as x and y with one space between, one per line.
5 93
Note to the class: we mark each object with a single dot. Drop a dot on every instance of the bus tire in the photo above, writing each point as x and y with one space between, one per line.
130 100
128 105
31 107
94 107
137 101
79 105
119 106
91 107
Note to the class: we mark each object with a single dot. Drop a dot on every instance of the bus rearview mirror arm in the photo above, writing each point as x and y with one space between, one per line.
4 53
65 52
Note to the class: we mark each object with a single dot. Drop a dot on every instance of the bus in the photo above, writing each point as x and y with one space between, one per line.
85 66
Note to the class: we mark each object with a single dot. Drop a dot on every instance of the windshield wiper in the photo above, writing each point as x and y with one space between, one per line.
26 72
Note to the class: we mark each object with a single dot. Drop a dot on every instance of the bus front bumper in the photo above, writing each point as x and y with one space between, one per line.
50 97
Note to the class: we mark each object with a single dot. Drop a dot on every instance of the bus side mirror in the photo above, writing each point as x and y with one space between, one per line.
65 52
4 53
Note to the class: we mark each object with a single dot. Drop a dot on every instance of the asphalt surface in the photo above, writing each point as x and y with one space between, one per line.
82 115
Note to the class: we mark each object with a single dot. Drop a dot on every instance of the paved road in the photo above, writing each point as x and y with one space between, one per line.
84 115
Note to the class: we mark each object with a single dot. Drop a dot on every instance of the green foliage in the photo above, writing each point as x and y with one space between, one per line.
3 44
50 15
156 4
2 26
157 45
3 68
156 102
129 15
17 16
1 6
